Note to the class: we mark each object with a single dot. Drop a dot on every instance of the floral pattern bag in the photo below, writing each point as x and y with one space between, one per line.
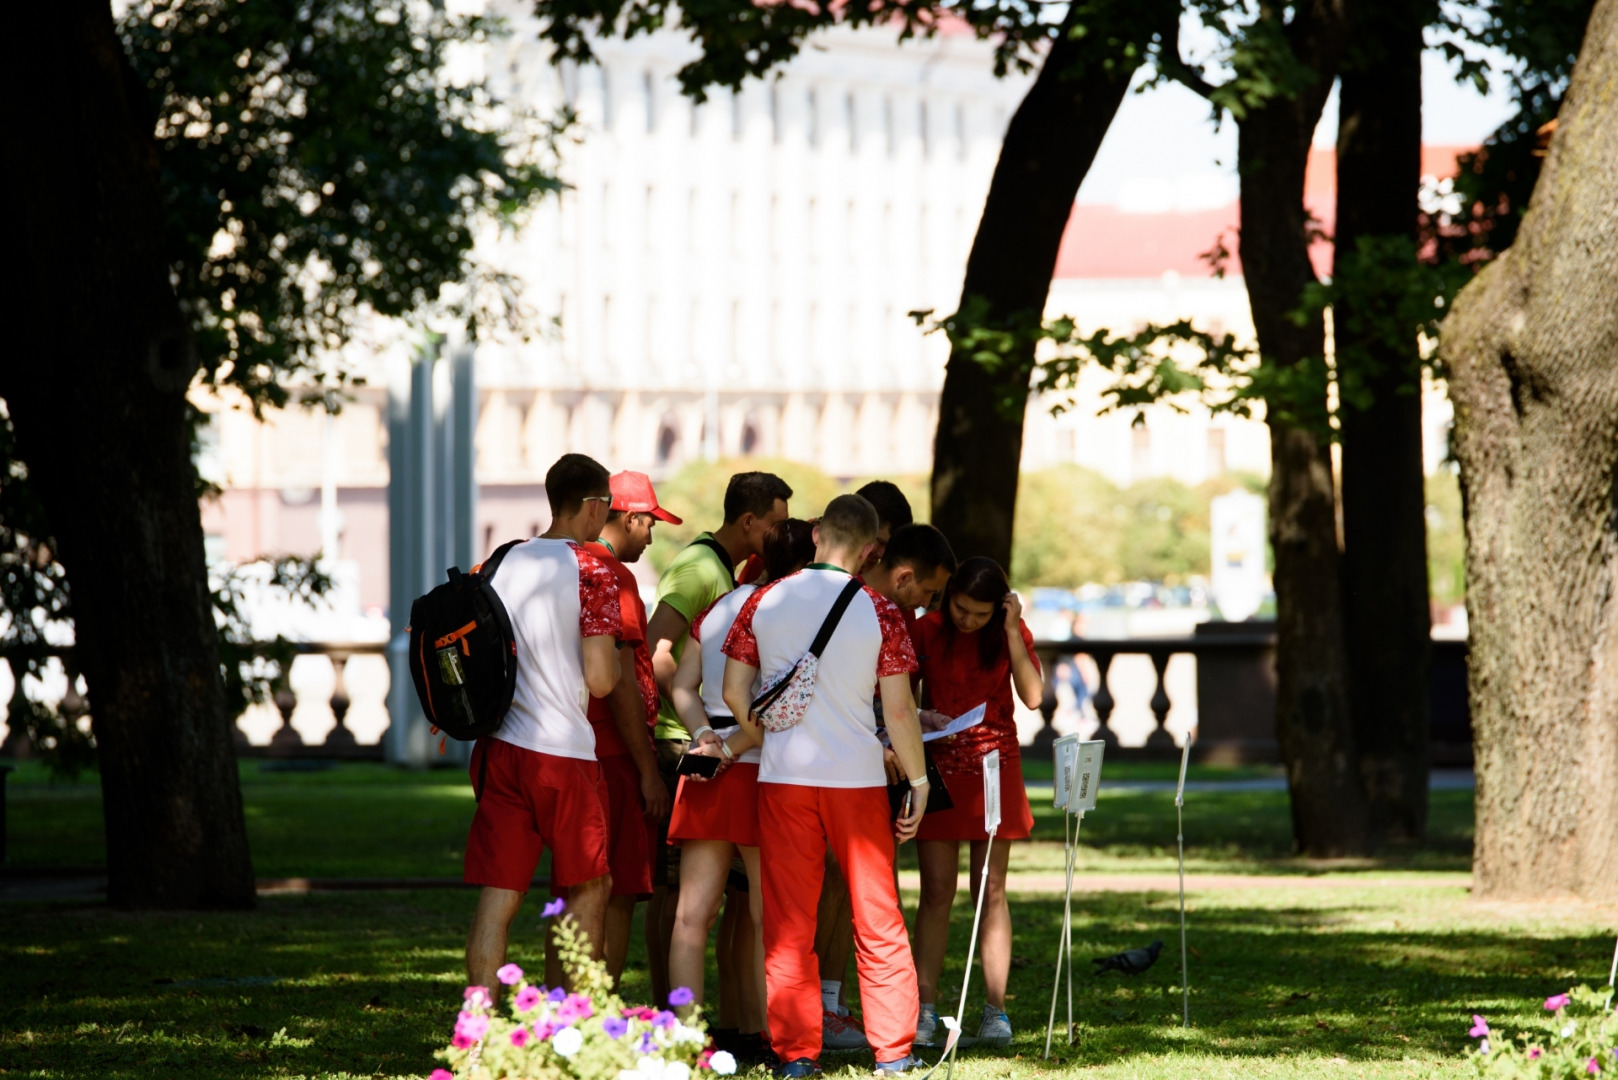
787 694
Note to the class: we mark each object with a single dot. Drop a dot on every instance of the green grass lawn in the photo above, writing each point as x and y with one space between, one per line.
1360 974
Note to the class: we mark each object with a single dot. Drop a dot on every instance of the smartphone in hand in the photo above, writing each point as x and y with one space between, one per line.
697 765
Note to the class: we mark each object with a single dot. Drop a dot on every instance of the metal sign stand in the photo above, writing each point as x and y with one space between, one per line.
1613 974
1179 840
991 825
1078 772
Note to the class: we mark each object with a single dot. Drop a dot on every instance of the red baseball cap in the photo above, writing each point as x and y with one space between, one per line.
632 492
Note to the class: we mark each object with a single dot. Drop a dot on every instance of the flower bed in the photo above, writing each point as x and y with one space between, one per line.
588 1034
1580 1041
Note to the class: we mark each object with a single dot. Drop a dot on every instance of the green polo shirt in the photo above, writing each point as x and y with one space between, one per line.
696 578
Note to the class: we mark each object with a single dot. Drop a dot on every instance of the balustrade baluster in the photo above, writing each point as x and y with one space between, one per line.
286 737
1103 697
339 737
1160 737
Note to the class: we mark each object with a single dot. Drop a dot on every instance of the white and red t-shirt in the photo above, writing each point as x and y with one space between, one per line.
557 594
714 624
835 744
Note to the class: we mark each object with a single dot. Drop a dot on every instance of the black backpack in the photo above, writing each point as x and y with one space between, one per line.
463 655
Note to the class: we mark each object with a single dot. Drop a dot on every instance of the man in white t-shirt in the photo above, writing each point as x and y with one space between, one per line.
822 783
537 780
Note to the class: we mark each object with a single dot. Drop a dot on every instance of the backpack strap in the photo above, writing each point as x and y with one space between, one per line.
487 568
718 549
835 615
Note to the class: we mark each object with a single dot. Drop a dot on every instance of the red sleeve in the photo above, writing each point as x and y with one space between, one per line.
629 607
1028 643
898 656
741 645
600 601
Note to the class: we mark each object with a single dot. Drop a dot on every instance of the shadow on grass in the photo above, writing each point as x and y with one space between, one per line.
369 984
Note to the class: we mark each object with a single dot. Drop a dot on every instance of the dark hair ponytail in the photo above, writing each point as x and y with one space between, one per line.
981 579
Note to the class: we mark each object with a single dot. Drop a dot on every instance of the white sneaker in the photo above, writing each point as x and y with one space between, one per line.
926 1024
836 1033
995 1028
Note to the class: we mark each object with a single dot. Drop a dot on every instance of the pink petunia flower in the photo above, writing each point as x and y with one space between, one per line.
575 1007
473 1025
519 1038
526 998
477 997
1480 1027
441 1074
1592 1066
1534 1052
545 1028
510 974
462 1042
1559 1001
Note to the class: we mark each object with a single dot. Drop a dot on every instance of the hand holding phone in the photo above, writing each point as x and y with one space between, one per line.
701 766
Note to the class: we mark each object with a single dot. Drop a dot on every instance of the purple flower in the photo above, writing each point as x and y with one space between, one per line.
519 1038
680 996
557 995
647 1044
664 1020
1552 1004
615 1027
1480 1027
527 998
510 975
555 907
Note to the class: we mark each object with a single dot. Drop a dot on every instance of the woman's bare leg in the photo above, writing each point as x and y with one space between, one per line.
704 865
940 864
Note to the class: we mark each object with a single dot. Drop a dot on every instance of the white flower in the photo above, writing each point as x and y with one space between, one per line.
568 1041
677 1070
1569 1030
649 1066
683 1034
723 1062
628 1074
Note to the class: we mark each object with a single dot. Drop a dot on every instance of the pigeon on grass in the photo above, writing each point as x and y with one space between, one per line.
1130 961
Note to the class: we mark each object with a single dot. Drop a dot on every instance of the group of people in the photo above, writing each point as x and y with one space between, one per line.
786 838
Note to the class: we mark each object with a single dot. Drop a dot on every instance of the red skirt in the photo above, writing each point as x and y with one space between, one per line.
725 808
964 820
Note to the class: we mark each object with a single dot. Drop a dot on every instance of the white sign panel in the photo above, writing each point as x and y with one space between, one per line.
1237 542
991 792
1065 753
1086 776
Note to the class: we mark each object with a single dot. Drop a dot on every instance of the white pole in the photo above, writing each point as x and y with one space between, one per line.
1061 948
1067 922
1613 974
971 949
1179 840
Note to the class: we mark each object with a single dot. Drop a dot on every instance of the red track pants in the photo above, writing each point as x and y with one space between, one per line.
796 824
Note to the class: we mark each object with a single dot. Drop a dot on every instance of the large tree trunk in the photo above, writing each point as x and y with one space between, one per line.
1532 349
1387 621
96 389
1048 148
1313 724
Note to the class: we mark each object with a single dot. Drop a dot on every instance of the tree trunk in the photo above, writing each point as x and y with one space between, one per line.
1532 349
1047 150
1313 724
1387 620
97 396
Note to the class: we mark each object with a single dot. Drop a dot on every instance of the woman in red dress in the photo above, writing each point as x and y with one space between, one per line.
973 651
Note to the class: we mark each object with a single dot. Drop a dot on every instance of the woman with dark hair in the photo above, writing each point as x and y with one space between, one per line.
715 820
975 650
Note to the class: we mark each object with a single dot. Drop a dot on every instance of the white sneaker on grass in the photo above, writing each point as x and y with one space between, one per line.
926 1024
838 1033
995 1027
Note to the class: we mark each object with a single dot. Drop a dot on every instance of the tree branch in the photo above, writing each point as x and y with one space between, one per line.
1173 65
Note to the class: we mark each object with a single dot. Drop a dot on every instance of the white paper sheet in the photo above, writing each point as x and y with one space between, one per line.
969 719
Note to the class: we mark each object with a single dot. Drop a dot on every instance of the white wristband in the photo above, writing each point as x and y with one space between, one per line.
919 783
724 748
696 736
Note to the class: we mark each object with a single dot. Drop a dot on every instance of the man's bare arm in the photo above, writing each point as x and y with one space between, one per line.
600 664
629 718
904 731
665 629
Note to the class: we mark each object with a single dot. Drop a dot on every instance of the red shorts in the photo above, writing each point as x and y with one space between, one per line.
964 820
722 809
629 835
529 802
